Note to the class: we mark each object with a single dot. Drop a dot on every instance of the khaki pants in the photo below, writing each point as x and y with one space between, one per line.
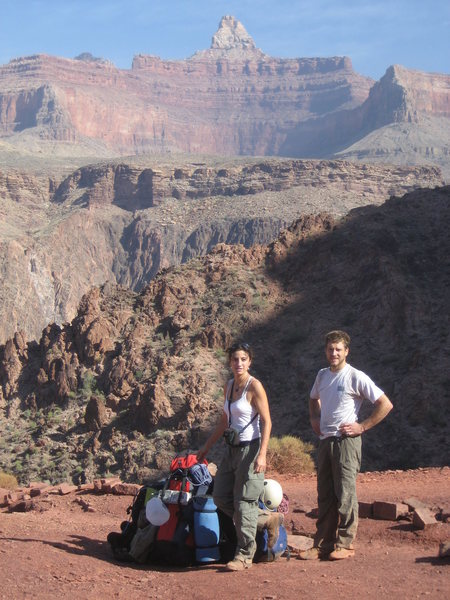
339 461
236 492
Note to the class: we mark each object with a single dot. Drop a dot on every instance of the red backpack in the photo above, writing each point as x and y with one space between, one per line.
179 471
174 543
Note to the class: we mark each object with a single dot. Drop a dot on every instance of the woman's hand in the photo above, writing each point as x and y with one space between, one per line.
260 464
201 454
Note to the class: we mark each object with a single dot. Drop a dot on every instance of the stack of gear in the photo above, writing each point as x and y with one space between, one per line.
175 521
172 521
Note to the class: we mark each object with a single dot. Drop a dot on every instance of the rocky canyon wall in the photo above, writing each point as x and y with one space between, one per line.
230 99
123 222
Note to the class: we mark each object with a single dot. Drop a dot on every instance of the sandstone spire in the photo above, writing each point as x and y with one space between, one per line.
231 34
231 40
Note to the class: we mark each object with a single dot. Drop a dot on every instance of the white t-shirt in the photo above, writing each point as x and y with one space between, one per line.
341 395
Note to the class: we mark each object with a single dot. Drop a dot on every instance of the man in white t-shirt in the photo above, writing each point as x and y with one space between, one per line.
335 400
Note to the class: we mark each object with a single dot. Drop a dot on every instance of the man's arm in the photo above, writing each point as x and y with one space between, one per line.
382 407
314 414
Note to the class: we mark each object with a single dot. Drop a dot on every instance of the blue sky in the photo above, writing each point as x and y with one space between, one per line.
373 33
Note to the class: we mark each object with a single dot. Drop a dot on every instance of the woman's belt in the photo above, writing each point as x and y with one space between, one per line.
248 442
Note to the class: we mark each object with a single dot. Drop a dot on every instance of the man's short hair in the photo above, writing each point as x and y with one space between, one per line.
336 336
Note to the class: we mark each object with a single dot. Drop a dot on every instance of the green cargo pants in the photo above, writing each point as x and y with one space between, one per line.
338 463
236 492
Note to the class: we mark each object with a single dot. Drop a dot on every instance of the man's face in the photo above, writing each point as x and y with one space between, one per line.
336 354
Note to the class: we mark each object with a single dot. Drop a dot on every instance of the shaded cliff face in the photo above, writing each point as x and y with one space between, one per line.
151 366
123 222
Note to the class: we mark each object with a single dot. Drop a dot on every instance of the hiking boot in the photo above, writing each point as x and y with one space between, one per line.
122 555
238 564
341 553
313 553
273 528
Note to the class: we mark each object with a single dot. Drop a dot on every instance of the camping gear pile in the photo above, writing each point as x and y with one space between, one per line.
174 521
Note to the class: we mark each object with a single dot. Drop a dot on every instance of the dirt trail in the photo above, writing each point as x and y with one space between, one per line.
60 551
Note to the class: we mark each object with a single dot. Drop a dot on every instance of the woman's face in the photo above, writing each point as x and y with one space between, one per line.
240 363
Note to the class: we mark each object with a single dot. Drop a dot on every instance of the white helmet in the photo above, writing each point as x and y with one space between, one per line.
156 511
272 494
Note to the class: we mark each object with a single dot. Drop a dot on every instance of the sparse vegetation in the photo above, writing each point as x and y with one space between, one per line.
138 374
220 354
290 455
8 481
89 384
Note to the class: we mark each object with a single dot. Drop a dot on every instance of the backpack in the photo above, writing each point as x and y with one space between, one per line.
280 547
264 553
174 542
121 542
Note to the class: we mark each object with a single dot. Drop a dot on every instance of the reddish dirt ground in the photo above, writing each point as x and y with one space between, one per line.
61 551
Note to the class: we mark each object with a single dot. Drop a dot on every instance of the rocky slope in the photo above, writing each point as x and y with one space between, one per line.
405 120
135 377
122 221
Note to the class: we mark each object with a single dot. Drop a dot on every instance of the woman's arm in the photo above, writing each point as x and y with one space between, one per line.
261 404
215 435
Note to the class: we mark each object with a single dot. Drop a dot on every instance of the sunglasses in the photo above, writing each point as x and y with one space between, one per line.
239 346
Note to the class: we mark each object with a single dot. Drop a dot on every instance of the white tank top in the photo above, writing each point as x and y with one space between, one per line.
242 412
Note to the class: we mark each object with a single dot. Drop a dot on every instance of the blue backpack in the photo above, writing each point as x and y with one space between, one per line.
264 553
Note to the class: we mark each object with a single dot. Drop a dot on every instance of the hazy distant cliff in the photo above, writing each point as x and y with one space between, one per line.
230 99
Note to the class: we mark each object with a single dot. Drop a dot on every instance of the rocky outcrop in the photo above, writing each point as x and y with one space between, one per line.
405 120
135 377
231 40
124 221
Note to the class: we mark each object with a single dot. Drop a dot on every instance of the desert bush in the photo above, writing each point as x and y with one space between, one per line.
290 455
89 384
7 481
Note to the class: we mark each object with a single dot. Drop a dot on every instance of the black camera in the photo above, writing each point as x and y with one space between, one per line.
231 436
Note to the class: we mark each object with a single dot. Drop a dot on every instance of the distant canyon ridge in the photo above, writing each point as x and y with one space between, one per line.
231 99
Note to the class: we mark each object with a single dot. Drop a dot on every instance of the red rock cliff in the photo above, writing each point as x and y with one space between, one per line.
230 99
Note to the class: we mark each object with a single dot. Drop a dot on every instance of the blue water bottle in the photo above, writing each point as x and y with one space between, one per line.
206 529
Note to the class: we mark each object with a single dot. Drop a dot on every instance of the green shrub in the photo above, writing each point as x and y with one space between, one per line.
89 384
7 481
290 455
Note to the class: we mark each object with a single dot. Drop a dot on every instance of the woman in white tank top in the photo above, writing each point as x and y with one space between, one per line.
245 424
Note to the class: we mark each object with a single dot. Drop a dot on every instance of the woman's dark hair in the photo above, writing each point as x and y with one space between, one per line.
240 346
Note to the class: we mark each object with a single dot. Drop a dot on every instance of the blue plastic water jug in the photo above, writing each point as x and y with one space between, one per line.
206 529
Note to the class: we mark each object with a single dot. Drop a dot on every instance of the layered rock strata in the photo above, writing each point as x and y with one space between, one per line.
124 222
231 99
